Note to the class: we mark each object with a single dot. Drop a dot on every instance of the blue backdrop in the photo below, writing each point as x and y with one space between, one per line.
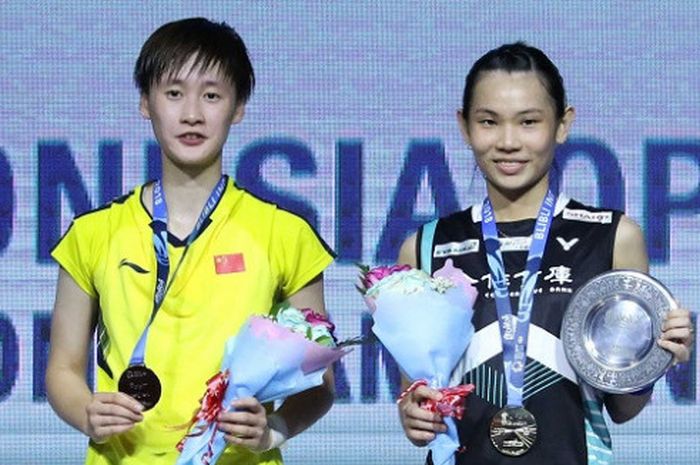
353 125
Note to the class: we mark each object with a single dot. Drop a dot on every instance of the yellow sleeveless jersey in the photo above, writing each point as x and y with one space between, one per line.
249 255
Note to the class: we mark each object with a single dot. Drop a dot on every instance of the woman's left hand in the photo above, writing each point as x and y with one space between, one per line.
246 425
677 334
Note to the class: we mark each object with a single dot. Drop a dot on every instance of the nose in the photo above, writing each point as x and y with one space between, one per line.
508 140
191 111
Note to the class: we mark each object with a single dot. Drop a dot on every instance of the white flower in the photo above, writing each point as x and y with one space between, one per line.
440 284
407 282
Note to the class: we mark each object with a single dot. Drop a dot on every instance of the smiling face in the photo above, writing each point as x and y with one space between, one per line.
191 113
513 130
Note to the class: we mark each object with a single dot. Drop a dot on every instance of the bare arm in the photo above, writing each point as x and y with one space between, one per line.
420 426
407 256
72 325
629 252
250 427
304 409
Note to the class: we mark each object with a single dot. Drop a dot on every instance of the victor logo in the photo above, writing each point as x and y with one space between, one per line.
567 245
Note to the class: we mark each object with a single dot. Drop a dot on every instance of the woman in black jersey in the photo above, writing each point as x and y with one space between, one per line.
514 114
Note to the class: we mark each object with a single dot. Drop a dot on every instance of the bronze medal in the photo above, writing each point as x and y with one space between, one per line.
142 384
513 431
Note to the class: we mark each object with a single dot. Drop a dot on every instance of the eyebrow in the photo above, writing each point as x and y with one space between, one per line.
520 113
207 83
212 82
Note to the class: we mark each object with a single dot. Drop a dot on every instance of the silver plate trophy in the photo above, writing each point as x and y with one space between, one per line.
610 330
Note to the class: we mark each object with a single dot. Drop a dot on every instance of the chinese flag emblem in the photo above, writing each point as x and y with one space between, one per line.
229 263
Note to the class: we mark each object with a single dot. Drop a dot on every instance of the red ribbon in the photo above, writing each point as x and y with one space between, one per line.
209 409
450 405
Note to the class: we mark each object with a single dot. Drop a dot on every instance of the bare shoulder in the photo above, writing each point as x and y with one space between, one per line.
630 250
628 231
407 252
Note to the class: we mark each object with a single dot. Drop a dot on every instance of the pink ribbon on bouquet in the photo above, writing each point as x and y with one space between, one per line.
451 404
209 408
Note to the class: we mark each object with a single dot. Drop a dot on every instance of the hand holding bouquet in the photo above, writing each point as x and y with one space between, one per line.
425 323
270 358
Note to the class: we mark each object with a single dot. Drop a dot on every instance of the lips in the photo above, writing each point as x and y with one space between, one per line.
510 167
191 138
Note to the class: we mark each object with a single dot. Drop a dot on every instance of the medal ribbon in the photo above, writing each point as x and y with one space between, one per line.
160 245
514 329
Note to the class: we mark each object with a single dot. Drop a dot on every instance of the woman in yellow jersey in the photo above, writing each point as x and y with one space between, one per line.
164 301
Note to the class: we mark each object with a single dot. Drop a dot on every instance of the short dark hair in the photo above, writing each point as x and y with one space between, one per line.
167 50
517 57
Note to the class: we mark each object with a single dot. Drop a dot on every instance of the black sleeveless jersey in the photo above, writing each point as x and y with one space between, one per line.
579 247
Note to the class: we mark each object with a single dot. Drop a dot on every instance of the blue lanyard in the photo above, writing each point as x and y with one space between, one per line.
160 245
514 331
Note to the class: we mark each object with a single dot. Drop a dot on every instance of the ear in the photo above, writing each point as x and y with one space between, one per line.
238 114
144 107
463 127
565 124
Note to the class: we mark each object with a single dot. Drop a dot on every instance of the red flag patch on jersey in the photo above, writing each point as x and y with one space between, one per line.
229 263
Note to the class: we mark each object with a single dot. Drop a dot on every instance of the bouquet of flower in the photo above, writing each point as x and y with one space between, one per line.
425 323
270 358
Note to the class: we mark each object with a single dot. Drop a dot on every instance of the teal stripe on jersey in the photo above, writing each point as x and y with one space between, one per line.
488 384
538 377
491 383
598 439
553 378
426 246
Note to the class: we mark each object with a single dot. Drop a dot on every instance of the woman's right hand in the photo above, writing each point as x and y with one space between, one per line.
110 413
420 425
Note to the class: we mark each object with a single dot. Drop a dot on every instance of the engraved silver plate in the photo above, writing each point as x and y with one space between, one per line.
610 330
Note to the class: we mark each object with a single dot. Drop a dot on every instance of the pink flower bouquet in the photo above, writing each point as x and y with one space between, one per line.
425 323
270 358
